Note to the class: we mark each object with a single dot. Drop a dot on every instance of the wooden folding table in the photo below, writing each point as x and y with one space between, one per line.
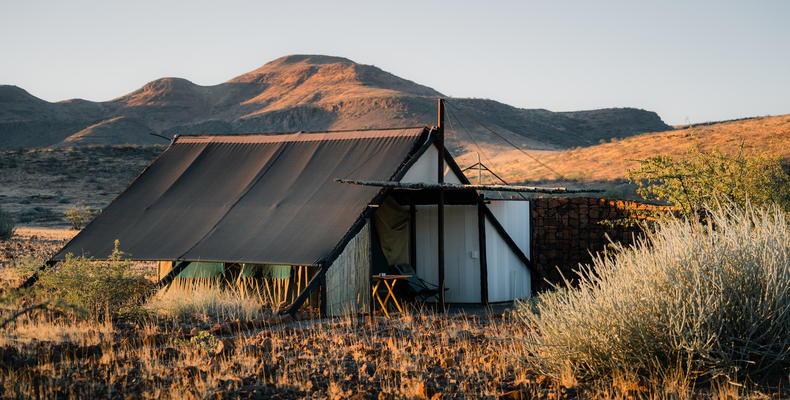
389 283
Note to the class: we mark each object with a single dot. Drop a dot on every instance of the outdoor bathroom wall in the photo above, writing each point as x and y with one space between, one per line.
565 230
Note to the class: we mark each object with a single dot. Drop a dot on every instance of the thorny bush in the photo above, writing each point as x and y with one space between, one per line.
98 286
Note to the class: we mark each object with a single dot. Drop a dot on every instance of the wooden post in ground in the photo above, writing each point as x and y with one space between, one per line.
164 281
413 235
440 206
34 278
481 234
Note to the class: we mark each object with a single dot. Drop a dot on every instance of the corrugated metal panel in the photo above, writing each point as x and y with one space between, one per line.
461 249
508 277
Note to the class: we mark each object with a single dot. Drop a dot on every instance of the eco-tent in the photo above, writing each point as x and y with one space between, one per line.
274 199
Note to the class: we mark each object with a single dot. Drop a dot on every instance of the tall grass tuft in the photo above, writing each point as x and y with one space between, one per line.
208 298
700 299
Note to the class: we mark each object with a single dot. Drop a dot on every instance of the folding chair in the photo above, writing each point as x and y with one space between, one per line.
419 288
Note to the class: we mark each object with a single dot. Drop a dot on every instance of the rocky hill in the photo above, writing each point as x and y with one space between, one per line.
610 161
299 92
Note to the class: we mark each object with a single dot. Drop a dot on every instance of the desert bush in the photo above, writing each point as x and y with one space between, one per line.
701 298
107 286
79 215
689 183
204 342
6 225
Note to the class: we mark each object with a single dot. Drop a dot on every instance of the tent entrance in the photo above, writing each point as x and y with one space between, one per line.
391 236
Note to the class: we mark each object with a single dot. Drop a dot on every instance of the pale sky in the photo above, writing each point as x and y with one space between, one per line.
686 60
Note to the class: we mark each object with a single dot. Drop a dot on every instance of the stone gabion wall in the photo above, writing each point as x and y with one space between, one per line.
565 230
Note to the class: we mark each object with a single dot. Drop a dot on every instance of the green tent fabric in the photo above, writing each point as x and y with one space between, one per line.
251 270
266 271
202 270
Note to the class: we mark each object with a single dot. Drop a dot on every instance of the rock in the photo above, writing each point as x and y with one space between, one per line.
92 351
424 391
513 395
169 353
224 347
266 345
190 371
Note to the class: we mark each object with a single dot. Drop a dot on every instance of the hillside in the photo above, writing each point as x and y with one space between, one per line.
610 161
292 93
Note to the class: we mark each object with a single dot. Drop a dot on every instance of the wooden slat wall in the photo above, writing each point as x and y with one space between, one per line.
348 279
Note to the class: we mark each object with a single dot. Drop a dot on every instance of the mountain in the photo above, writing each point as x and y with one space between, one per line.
301 92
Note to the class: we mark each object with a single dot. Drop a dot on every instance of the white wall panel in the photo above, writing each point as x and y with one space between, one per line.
461 251
508 277
514 217
424 170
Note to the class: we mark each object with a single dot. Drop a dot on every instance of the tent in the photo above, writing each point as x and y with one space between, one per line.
274 199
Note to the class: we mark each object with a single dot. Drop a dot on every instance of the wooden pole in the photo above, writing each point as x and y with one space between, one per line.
166 280
481 234
460 186
34 278
413 235
440 206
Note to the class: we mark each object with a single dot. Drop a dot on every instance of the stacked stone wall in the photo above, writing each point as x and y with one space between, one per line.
566 230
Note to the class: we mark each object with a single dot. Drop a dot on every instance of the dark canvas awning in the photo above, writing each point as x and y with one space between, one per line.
247 198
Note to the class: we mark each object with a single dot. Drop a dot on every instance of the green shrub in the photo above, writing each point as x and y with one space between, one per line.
204 342
7 225
690 183
96 286
702 298
79 216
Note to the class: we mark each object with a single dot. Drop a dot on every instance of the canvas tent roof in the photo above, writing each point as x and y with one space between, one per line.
248 198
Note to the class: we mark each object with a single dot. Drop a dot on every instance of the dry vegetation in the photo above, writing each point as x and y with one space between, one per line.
215 344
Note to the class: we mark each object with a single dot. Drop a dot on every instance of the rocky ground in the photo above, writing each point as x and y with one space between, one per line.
38 185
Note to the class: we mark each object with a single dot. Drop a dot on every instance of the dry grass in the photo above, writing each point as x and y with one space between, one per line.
207 297
177 352
609 161
417 356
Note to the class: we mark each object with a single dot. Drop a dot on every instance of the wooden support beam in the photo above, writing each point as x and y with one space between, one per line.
440 208
481 234
165 281
413 236
458 186
34 278
317 279
508 240
322 304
